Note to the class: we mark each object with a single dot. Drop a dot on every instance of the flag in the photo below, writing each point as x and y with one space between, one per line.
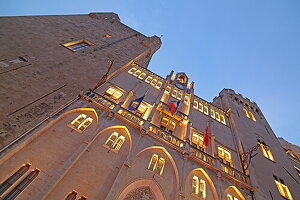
134 104
174 107
206 137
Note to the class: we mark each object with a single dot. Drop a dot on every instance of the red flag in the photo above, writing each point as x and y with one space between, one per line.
206 137
174 107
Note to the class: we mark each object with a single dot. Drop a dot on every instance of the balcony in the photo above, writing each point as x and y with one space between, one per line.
131 117
166 137
99 100
201 155
167 110
234 173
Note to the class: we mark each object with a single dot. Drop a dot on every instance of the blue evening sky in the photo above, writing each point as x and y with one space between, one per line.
251 46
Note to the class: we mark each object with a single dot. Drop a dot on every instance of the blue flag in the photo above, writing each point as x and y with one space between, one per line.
134 104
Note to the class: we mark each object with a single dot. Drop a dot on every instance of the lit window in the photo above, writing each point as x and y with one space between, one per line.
200 107
138 72
179 95
222 118
195 105
168 89
148 79
72 195
13 178
142 76
212 114
229 197
22 185
132 70
141 110
115 141
160 165
217 116
107 35
197 140
77 45
246 113
205 110
282 188
156 164
153 82
168 124
199 187
225 155
174 93
159 84
81 122
113 94
266 151
252 116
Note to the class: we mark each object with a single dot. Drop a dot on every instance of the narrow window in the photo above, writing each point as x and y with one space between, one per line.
266 151
225 155
197 140
22 185
179 95
205 110
222 118
111 140
153 162
141 110
138 72
78 45
252 116
85 124
212 114
217 116
78 120
82 198
153 82
168 124
119 142
195 185
148 79
174 93
168 89
246 113
142 76
282 188
297 169
202 189
200 107
160 165
158 85
132 70
13 178
195 105
80 123
72 195
113 94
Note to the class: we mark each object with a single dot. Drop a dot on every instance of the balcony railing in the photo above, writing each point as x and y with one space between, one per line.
131 117
167 137
203 156
100 100
235 173
165 107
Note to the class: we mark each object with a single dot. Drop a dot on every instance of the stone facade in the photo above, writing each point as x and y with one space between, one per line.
138 135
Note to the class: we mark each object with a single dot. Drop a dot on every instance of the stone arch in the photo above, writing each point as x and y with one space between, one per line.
141 183
102 172
207 178
234 191
90 111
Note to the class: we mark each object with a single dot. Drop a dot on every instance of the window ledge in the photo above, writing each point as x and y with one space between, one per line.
110 149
